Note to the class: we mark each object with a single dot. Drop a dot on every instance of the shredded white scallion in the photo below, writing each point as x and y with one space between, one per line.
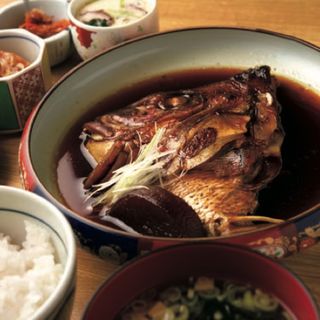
141 173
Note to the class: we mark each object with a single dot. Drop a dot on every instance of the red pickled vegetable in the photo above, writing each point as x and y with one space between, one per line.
39 23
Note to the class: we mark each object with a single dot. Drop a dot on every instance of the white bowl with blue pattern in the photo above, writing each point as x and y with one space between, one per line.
18 206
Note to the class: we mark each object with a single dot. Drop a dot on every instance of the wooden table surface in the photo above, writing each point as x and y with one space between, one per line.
295 17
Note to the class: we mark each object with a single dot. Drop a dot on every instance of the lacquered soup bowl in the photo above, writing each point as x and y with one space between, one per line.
168 266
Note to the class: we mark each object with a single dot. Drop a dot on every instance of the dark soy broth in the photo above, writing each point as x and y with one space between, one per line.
295 190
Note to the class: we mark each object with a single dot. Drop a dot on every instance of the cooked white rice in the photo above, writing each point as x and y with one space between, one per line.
28 273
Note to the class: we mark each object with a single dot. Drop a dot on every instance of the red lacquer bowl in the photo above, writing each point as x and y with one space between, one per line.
224 261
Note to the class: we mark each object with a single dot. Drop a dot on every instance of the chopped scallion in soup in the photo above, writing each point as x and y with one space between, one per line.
204 298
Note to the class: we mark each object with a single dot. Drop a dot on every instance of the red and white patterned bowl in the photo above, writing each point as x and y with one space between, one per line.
21 91
90 40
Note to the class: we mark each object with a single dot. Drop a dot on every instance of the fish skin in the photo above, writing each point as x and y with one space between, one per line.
222 178
214 200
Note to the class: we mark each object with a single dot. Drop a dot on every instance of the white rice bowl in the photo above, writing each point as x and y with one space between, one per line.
37 258
28 273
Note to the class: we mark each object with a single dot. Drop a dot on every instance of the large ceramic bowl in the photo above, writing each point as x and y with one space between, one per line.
17 207
169 266
296 198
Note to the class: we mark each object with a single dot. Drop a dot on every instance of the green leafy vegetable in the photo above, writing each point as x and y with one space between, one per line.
99 22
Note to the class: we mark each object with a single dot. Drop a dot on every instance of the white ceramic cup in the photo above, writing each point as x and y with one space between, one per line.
90 40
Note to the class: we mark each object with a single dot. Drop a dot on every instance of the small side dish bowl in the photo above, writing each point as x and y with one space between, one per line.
22 90
18 207
90 40
59 45
174 265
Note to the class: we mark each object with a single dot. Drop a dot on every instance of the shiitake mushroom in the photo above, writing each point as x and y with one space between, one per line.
158 212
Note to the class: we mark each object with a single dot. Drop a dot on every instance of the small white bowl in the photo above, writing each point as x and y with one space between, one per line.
59 45
22 90
90 40
17 206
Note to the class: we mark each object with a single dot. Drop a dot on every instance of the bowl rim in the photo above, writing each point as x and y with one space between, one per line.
66 282
21 33
88 27
210 246
33 116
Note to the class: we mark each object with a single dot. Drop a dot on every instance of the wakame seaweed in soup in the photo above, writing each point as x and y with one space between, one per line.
204 298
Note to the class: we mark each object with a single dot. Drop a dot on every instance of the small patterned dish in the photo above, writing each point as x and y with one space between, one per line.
59 45
22 90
